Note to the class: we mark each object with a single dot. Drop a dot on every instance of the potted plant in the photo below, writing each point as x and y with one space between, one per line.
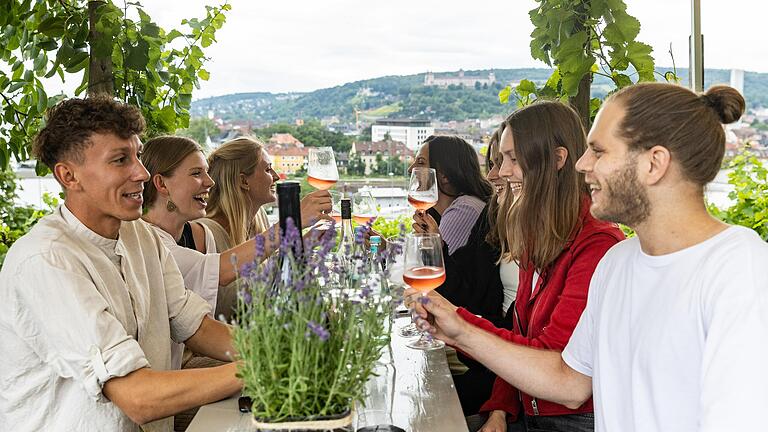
309 329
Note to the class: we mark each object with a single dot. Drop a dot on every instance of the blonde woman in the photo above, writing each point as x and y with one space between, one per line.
245 181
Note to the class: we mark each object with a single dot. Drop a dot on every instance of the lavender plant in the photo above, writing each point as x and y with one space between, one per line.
308 336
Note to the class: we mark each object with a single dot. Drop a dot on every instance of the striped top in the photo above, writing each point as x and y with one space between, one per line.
457 221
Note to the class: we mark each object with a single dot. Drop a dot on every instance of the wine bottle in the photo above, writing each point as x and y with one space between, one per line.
347 242
289 206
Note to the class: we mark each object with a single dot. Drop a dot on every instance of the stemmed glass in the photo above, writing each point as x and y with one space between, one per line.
422 188
422 194
364 207
424 271
336 206
322 172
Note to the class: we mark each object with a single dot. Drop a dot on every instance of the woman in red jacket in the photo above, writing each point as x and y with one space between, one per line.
548 230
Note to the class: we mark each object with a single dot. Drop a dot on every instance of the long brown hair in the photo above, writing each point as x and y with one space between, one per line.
162 155
545 216
227 198
687 124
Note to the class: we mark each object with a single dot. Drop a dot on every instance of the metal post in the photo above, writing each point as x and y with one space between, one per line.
696 49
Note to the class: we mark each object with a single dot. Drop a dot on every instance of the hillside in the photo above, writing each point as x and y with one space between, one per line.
406 96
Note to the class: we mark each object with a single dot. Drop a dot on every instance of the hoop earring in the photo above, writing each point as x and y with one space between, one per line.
170 206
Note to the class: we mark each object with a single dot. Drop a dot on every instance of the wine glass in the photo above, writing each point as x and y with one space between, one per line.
322 172
364 207
396 269
336 206
422 188
424 271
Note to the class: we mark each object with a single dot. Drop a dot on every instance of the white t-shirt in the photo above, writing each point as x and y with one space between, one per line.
679 342
510 278
200 272
77 309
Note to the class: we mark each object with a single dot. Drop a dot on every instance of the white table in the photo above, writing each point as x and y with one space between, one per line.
422 399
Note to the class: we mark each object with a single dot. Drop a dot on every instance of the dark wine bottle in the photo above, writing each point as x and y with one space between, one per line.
289 206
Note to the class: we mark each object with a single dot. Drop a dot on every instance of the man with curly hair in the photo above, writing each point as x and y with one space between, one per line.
90 299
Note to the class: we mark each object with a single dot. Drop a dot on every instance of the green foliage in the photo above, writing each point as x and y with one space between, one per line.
356 166
16 220
153 69
750 194
199 129
308 333
389 228
583 38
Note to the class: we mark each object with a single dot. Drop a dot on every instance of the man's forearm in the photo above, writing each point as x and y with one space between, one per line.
212 339
145 395
540 373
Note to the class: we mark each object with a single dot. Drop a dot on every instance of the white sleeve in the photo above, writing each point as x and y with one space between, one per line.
200 271
186 309
578 354
66 321
734 377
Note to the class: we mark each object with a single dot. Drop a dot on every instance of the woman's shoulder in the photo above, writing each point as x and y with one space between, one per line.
214 232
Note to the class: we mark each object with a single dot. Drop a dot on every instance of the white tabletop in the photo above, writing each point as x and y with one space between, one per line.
422 398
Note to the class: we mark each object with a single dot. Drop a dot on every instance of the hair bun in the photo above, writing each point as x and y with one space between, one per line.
726 101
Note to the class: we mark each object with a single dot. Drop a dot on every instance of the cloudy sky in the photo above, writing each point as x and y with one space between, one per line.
301 45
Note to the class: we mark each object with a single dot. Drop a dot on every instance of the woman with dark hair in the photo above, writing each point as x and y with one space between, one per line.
471 264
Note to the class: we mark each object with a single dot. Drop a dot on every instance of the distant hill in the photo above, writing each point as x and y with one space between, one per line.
406 96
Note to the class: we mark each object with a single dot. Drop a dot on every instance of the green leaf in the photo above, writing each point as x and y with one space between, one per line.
40 62
525 88
137 56
173 34
621 80
48 45
639 54
42 100
203 74
167 118
77 62
504 95
52 27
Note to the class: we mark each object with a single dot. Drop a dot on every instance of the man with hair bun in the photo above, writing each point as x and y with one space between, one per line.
90 299
675 333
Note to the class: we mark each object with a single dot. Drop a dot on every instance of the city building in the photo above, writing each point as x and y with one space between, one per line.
368 152
408 131
460 80
288 153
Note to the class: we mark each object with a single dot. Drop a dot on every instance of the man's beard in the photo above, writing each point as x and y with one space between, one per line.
626 200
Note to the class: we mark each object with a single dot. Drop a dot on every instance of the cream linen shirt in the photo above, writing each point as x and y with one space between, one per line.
77 309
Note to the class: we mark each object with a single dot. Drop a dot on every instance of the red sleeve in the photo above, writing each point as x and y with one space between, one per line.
572 300
563 320
504 397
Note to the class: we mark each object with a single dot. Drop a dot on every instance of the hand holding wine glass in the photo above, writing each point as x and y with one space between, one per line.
322 172
424 271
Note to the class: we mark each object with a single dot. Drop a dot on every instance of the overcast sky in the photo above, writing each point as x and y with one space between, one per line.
303 45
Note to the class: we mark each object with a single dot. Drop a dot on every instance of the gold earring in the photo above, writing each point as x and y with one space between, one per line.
170 206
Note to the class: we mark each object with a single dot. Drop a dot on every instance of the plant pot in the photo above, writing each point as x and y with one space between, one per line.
338 422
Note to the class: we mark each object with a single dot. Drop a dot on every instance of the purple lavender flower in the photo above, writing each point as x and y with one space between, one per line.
247 269
318 330
359 235
259 246
247 297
